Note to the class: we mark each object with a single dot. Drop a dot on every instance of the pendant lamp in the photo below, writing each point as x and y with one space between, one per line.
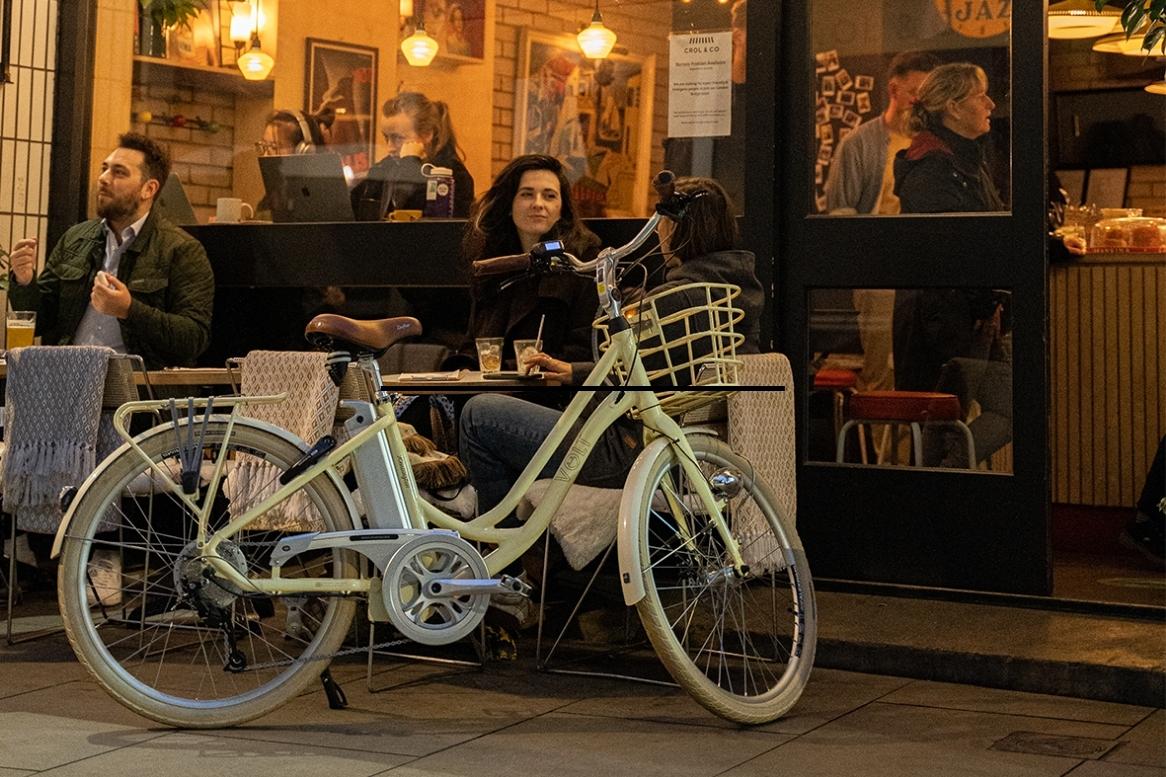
419 49
1077 19
1120 44
255 64
595 40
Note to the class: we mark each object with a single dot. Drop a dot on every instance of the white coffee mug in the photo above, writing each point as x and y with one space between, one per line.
229 210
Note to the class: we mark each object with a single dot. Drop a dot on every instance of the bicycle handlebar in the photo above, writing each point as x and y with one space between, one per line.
550 254
501 265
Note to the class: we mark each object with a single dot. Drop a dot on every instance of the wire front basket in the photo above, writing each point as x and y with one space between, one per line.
686 340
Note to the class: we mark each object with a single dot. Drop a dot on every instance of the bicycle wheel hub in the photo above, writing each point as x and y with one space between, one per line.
194 576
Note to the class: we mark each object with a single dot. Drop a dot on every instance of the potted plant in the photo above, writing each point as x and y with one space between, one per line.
156 16
1146 18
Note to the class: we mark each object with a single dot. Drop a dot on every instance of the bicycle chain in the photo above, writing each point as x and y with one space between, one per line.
318 656
328 656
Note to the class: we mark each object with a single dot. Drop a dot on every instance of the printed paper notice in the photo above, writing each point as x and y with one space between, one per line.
700 89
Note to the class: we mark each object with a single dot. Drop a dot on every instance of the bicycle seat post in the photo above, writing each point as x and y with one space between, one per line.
371 371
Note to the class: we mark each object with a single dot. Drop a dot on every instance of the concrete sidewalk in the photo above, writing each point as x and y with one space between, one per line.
513 720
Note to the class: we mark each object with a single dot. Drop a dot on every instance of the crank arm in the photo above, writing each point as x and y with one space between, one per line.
502 585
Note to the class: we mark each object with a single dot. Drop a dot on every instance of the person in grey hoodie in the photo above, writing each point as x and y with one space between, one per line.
861 180
499 434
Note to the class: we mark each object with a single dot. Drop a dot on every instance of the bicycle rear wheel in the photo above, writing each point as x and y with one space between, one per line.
164 638
743 648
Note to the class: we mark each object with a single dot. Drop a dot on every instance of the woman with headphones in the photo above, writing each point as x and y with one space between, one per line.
294 132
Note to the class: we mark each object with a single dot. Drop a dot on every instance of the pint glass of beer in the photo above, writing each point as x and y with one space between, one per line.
21 326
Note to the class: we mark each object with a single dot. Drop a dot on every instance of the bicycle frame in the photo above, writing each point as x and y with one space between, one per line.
637 394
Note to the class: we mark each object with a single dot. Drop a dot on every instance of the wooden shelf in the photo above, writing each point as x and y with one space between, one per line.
152 70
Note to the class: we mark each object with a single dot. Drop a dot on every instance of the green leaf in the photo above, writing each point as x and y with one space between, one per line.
1156 36
172 13
1132 16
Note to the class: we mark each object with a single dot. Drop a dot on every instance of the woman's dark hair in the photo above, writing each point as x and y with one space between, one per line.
710 223
316 123
429 117
491 230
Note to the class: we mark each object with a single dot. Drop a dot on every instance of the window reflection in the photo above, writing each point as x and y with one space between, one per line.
911 377
890 100
512 78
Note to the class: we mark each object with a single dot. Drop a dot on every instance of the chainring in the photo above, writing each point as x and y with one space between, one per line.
433 619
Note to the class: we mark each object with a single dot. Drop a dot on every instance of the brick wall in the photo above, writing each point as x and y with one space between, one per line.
202 160
641 29
1074 66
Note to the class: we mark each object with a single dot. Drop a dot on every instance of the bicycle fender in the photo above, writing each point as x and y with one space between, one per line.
96 474
631 575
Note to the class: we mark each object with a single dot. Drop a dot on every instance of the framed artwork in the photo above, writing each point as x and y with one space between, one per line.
1107 187
343 77
594 117
198 42
458 26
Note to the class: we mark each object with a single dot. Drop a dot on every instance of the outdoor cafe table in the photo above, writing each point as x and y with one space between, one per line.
465 382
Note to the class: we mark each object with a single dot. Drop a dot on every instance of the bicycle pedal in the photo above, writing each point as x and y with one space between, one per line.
516 585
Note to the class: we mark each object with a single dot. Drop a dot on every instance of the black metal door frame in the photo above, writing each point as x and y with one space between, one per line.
944 528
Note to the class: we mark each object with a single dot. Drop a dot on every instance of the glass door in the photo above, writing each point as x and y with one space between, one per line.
912 292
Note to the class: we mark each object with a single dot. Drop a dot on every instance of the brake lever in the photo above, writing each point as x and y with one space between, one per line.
513 279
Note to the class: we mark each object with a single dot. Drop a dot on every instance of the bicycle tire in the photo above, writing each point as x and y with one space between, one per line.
694 612
127 646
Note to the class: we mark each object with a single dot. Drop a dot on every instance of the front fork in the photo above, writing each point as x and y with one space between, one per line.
635 493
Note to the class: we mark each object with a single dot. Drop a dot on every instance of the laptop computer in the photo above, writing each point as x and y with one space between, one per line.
306 187
173 204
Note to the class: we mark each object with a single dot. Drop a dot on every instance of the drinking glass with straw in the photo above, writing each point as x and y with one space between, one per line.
523 349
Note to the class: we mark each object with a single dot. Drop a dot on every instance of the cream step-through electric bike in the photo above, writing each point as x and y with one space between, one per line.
244 551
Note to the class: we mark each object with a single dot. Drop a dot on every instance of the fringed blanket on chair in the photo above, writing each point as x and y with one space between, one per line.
308 413
52 414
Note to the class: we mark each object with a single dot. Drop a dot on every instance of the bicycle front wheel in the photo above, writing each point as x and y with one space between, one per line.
743 647
162 635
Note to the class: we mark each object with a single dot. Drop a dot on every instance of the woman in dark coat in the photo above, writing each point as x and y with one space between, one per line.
529 202
500 434
936 330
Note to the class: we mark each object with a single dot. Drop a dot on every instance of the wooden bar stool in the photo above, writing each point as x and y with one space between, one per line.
913 408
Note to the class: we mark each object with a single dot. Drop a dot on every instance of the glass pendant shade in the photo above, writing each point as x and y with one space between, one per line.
419 49
1077 19
256 63
595 40
1120 44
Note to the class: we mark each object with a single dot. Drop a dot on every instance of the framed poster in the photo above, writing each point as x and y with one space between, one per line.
1107 187
343 77
593 116
458 26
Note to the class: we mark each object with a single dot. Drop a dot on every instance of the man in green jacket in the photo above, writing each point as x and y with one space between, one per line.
129 279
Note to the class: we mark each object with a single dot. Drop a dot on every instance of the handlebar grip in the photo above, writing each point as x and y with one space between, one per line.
665 184
501 265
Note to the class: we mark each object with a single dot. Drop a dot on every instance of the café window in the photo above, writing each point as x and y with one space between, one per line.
512 77
911 377
910 109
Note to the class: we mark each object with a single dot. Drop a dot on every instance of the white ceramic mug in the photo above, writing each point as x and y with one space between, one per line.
229 210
